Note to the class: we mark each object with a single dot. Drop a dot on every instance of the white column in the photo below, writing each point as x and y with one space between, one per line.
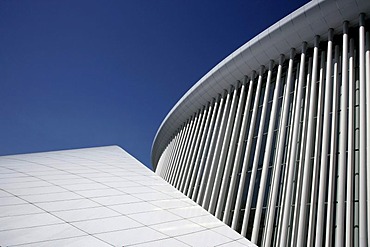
367 61
224 149
252 180
351 145
302 220
280 152
333 153
318 138
203 170
268 152
325 143
231 154
216 155
293 151
247 154
342 158
201 149
239 151
362 171
210 154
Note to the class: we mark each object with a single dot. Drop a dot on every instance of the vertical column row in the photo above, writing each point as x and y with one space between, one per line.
239 152
202 171
202 148
171 165
186 150
231 153
239 194
180 152
302 220
217 153
286 165
210 154
190 151
252 180
224 151
198 148
268 151
280 153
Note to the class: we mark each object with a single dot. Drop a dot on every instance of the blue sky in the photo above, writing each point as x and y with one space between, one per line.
77 73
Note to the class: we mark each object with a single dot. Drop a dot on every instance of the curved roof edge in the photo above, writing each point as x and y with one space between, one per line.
313 18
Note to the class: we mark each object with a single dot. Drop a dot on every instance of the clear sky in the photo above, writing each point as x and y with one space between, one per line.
84 73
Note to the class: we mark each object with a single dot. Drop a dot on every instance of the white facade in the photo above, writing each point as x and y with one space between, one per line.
99 197
274 140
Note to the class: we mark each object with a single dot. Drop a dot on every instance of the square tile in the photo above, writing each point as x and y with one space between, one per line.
170 204
114 200
133 208
71 181
207 221
21 209
206 238
121 184
25 185
107 224
87 186
246 242
67 205
85 214
178 227
37 234
18 180
11 200
36 190
137 190
28 220
162 242
99 192
189 212
89 241
4 193
156 196
62 175
227 232
156 217
52 197
235 244
105 180
131 236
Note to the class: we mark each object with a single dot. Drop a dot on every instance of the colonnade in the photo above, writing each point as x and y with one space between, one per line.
283 156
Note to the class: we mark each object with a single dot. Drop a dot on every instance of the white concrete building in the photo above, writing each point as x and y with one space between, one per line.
99 197
275 140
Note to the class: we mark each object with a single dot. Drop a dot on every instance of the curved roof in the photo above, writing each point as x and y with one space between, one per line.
314 18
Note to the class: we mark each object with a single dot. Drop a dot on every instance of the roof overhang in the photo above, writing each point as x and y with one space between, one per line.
314 18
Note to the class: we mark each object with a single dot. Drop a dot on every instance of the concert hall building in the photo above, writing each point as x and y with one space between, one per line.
275 139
